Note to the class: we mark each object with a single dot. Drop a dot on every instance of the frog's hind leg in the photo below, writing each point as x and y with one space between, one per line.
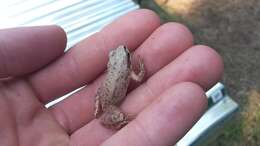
98 108
114 118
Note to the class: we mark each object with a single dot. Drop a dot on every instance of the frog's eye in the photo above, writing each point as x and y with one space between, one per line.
111 53
128 54
127 51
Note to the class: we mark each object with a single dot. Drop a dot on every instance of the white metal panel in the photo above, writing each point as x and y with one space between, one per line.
79 18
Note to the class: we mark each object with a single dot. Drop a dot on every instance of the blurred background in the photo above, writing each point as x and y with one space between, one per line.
232 27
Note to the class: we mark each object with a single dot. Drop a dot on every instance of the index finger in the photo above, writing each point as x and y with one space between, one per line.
85 61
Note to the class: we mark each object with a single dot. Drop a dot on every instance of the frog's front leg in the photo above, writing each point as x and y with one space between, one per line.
114 118
138 77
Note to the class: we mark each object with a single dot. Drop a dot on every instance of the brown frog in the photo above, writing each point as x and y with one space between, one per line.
114 88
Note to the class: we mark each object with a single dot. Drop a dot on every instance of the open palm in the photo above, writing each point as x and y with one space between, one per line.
34 70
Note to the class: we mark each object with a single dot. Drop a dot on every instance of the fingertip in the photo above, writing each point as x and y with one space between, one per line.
61 33
27 49
214 61
56 35
216 57
151 15
199 98
184 34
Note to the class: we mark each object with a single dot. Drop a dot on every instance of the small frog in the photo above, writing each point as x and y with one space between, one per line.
114 88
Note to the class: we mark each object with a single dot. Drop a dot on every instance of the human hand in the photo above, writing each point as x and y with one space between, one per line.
166 104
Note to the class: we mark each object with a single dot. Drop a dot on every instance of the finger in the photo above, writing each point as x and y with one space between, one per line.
85 61
199 64
166 120
24 50
171 37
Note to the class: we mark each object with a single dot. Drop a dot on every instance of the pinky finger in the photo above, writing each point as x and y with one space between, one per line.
166 120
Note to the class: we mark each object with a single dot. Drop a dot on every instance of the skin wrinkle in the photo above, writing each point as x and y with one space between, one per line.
75 70
30 86
14 95
3 63
148 93
5 94
142 132
12 119
64 121
98 46
101 46
157 102
16 131
33 125
188 72
103 42
176 107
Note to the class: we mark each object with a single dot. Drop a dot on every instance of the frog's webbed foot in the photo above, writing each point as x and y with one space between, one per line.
114 118
139 77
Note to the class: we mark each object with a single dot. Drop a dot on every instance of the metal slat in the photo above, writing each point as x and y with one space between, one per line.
28 7
45 11
87 14
34 14
79 18
86 23
59 16
91 29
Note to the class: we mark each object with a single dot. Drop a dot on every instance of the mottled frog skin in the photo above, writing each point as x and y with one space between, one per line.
114 88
